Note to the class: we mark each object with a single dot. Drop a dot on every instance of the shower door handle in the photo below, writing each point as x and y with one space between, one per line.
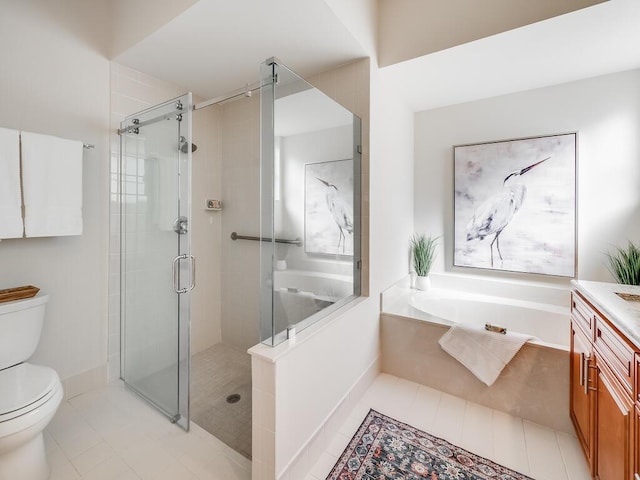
175 276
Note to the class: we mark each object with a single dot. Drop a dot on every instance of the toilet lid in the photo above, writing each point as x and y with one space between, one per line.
24 384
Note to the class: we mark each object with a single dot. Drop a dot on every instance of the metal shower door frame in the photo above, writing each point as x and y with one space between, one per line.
182 264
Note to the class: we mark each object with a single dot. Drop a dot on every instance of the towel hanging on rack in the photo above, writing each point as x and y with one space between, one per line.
10 200
52 185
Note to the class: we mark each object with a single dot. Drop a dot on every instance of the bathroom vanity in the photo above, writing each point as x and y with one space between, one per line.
605 377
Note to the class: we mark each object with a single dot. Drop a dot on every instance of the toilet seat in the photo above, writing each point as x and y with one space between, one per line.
25 388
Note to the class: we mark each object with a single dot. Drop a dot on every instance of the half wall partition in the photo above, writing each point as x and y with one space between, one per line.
310 204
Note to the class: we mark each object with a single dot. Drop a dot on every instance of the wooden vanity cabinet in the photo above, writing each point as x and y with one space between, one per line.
636 418
605 406
582 393
614 458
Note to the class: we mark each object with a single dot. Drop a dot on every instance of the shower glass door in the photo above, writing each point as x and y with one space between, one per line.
157 269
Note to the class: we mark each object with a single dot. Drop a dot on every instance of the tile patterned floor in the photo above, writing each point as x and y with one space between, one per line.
111 434
216 373
532 449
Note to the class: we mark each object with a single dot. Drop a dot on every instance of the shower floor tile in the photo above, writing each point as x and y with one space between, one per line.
217 373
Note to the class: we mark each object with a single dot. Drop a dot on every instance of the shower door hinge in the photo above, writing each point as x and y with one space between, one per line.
131 129
178 105
179 117
359 264
359 149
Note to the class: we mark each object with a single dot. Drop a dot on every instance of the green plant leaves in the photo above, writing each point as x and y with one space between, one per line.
624 264
424 253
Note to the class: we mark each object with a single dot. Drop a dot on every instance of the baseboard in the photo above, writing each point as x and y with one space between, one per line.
85 382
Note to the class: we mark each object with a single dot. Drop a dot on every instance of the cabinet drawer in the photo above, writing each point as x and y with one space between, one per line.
583 314
616 353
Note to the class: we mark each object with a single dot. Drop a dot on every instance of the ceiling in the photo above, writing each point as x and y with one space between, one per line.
601 39
217 46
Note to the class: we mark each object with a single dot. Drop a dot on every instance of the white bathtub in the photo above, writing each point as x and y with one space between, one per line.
547 322
326 286
534 385
300 294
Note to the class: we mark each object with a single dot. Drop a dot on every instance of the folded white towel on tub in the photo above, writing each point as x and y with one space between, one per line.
10 195
484 353
52 185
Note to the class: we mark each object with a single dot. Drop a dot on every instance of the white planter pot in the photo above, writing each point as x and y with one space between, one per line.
423 283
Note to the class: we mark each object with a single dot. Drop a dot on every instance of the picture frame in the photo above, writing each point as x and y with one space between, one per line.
328 208
515 205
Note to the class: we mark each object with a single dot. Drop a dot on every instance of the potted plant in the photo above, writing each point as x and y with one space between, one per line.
423 249
624 264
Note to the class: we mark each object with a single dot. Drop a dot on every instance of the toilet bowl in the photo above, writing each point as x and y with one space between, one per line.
29 394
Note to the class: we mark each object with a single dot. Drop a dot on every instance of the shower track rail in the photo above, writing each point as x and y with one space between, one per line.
235 236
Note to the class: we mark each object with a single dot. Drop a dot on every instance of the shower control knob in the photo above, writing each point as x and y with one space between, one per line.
180 225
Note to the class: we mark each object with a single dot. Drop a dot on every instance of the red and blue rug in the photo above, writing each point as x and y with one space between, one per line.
386 449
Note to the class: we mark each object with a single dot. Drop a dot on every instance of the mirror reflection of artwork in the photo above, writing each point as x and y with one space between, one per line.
515 203
328 207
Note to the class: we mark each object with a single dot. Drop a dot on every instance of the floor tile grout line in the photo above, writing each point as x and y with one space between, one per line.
562 454
526 447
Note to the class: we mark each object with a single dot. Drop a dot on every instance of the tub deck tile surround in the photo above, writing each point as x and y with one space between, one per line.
529 448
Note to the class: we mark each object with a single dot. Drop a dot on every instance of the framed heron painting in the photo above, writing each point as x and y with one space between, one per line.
515 205
328 207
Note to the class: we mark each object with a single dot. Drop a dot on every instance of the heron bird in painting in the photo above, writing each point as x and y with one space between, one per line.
340 211
495 213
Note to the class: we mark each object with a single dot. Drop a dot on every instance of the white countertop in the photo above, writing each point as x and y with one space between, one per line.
624 314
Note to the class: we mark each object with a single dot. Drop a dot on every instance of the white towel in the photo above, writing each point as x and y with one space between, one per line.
10 199
484 353
52 185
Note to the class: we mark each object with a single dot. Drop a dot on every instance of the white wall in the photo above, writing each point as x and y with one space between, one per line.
606 113
55 81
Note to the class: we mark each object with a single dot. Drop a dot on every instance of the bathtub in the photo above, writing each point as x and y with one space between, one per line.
548 323
534 385
299 295
327 286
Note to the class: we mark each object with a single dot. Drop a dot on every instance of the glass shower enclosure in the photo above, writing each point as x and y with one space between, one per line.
157 269
310 174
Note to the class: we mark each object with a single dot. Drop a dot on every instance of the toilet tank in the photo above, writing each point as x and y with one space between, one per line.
20 327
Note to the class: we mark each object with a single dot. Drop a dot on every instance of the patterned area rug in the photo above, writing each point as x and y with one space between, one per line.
386 449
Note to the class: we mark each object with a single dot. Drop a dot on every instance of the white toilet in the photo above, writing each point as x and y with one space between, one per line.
29 394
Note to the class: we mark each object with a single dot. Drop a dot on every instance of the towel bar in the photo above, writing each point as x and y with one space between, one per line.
235 236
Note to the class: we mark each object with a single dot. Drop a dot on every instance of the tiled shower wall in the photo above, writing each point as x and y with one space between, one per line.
132 91
240 138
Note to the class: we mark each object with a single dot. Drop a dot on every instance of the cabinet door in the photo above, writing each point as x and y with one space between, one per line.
582 405
636 475
614 434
